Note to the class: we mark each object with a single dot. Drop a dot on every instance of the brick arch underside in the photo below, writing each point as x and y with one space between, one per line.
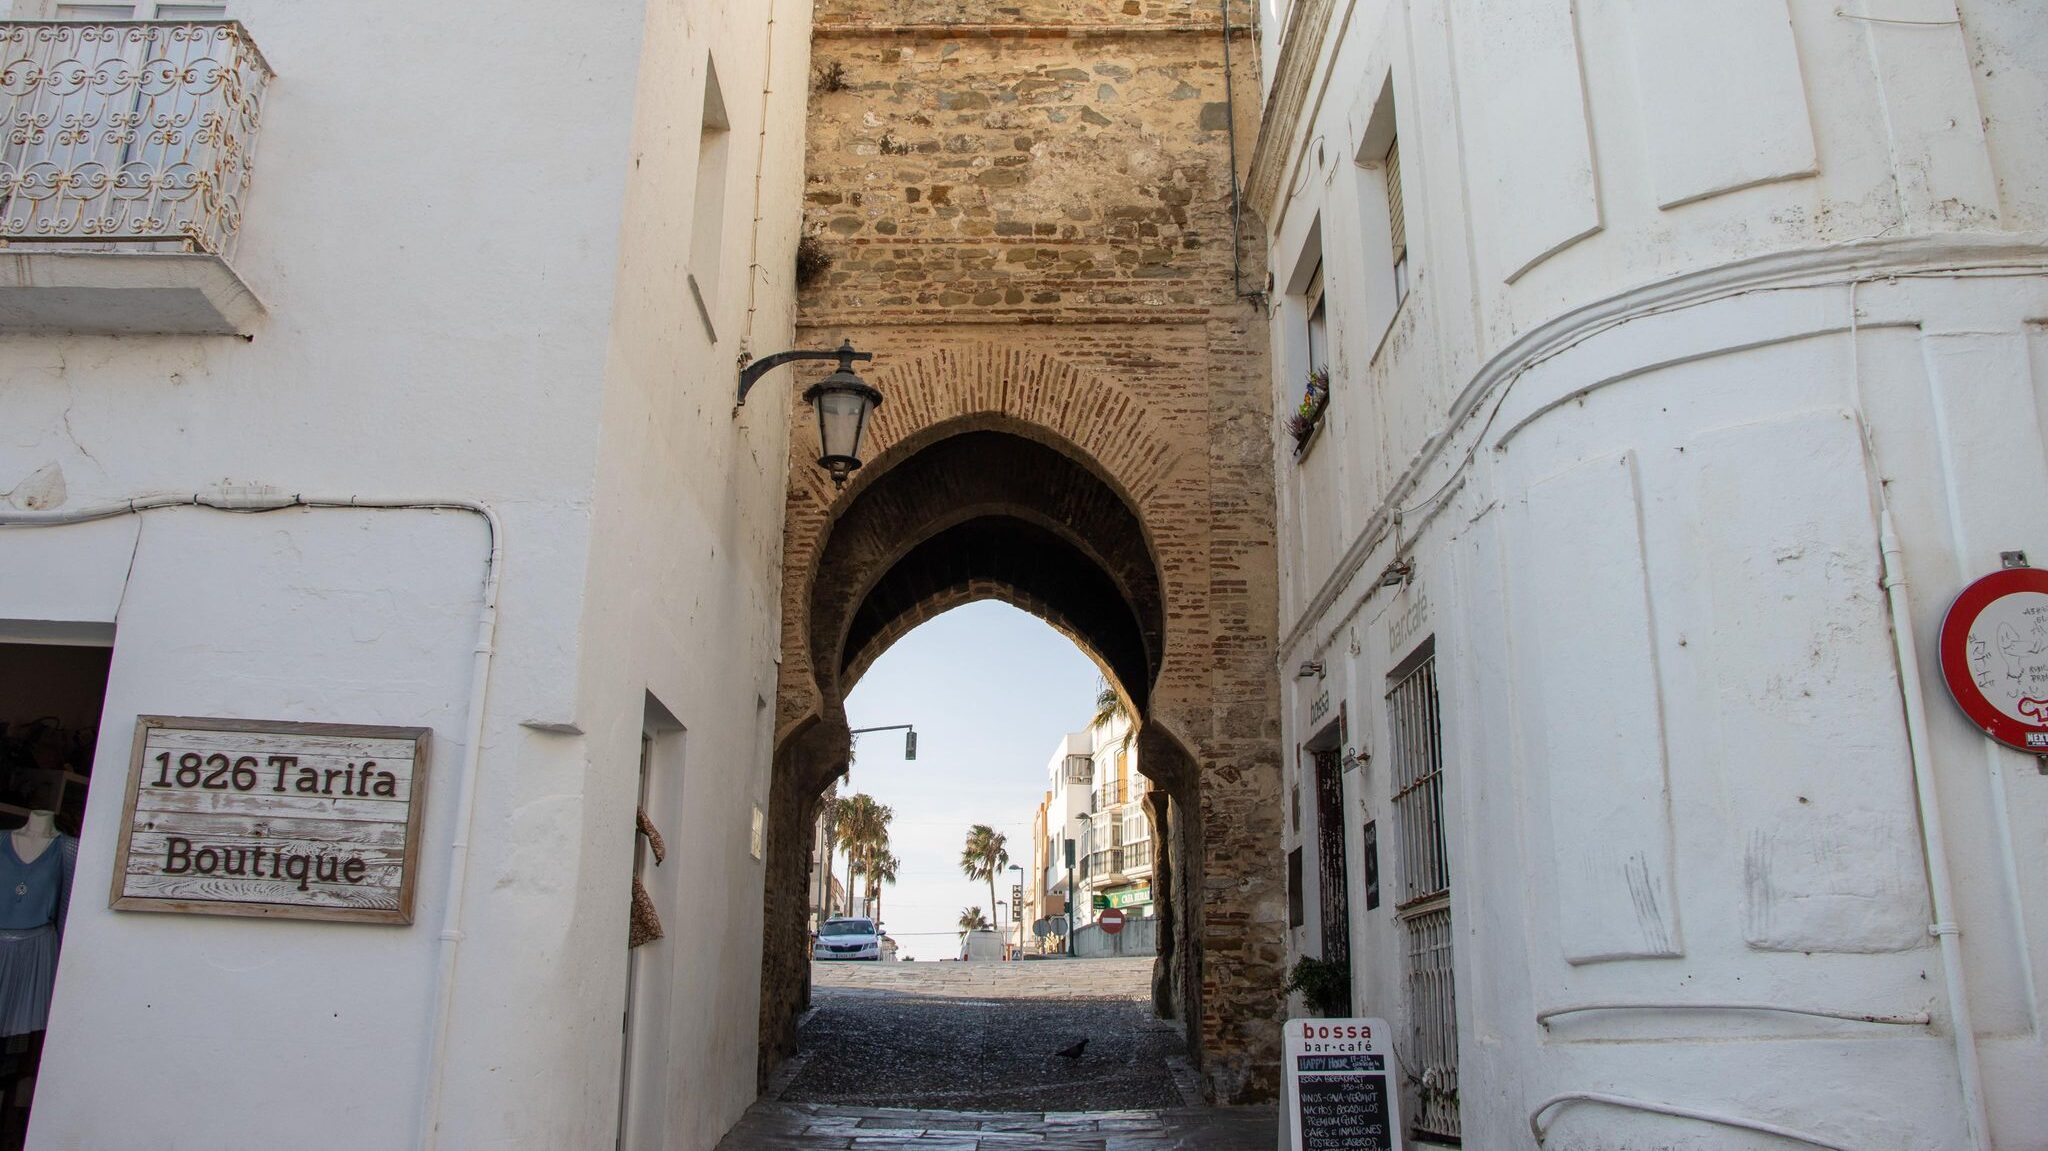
987 514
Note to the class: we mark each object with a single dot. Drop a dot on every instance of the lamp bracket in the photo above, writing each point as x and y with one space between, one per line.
751 373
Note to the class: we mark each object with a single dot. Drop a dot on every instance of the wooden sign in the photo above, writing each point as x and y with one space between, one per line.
287 820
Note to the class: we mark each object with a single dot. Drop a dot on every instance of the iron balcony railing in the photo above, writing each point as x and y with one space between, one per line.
131 134
1116 793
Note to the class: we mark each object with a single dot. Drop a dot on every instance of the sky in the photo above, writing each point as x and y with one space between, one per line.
991 690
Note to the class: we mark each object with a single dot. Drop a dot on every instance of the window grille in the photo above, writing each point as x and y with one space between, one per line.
1432 1058
1424 903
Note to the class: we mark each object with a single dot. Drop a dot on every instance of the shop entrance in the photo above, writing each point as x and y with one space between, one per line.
51 696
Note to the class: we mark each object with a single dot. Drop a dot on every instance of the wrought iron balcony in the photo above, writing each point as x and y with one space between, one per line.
125 161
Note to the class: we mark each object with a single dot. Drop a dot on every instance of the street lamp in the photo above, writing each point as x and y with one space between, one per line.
842 400
1017 908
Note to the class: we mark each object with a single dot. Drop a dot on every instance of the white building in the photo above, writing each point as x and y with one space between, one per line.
1642 321
1115 854
1062 818
495 266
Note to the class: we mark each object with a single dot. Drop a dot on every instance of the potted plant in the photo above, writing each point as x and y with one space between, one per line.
1324 983
1315 400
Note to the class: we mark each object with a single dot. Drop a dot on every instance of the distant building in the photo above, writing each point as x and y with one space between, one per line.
1096 801
1114 859
1062 818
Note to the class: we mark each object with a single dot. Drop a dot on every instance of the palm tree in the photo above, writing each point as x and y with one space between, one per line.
971 919
864 829
880 870
1109 708
985 856
828 822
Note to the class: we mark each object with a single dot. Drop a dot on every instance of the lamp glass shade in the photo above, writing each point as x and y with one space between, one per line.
843 402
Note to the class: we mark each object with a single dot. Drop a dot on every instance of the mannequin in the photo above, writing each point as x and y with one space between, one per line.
35 889
34 837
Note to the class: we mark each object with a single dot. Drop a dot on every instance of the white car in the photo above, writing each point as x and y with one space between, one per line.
848 937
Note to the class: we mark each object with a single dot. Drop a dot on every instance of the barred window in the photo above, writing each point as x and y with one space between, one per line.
1423 905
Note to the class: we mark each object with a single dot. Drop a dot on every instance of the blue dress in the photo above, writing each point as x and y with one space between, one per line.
33 897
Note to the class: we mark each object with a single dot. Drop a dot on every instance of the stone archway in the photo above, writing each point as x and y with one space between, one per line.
1096 501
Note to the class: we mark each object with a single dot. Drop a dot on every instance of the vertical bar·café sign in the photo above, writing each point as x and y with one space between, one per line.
284 820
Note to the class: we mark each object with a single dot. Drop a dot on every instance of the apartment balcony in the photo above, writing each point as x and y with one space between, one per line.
1115 794
124 166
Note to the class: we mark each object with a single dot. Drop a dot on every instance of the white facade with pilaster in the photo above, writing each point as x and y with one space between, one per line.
1695 299
476 269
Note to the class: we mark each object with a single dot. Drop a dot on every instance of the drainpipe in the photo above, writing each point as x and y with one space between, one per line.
1944 929
1236 191
472 752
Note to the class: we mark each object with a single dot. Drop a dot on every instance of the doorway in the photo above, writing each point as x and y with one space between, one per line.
1333 880
51 696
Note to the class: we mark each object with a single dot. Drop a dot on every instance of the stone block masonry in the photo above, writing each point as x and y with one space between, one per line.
1028 209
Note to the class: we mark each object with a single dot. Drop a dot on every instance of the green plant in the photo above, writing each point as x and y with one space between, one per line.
1315 400
812 260
830 77
1324 983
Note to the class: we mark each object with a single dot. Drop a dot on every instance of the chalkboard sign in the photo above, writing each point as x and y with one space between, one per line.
1341 1090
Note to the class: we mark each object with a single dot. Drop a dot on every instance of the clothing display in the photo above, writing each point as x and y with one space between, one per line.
644 924
34 895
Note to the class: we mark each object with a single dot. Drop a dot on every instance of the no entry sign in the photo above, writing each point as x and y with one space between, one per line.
1994 655
1112 921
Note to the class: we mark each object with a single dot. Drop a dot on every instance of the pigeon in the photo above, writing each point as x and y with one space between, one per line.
1074 1052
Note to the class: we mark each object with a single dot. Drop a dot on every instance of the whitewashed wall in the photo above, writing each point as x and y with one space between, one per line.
1669 262
463 226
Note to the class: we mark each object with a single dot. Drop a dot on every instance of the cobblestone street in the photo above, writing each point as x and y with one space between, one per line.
967 1057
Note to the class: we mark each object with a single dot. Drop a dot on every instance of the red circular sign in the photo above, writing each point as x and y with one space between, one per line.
1994 655
1112 920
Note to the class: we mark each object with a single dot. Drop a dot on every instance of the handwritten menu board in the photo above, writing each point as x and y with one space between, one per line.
1341 1092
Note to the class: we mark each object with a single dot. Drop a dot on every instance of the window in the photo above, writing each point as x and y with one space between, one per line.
1397 222
707 224
1380 192
1318 323
1295 915
1423 906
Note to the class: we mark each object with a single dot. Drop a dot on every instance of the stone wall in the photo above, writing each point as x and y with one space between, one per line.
1028 210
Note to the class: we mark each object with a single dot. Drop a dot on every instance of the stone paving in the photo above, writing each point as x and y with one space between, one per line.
963 1057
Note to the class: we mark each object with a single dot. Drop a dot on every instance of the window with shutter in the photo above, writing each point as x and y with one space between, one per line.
1397 220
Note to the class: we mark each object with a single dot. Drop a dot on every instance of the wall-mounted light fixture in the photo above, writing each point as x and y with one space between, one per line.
843 402
1399 572
1311 669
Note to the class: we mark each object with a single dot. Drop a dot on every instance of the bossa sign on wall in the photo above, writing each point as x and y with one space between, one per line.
286 820
1994 656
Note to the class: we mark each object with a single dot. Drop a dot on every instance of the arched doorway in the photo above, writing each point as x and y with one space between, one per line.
1010 475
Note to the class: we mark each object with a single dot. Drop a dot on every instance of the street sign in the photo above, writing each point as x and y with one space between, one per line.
1112 921
1994 655
1341 1090
1042 928
1099 900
